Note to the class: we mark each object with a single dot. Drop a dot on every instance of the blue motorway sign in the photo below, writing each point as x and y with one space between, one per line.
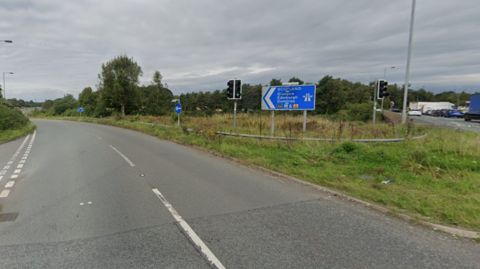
178 108
80 110
298 97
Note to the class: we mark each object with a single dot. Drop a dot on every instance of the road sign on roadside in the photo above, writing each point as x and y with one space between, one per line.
178 108
80 110
298 97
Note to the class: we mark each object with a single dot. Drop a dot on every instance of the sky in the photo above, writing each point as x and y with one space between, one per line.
59 46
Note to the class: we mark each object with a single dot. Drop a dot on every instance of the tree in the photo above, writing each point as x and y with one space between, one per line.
276 82
294 79
61 105
119 80
88 100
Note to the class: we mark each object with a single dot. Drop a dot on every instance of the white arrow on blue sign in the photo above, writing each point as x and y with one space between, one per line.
80 110
298 97
178 108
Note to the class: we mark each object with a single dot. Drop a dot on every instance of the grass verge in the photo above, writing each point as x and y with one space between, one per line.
12 134
435 179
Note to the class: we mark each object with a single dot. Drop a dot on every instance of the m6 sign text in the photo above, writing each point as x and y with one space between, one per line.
298 97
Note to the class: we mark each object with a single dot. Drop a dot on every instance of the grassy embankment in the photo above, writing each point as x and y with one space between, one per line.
13 124
436 178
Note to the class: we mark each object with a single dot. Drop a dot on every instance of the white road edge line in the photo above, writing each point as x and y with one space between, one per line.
125 157
188 231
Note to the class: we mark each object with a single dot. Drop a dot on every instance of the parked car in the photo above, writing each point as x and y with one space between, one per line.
454 113
428 113
414 112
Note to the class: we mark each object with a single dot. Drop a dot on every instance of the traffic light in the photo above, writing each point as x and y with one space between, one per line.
238 89
382 88
230 85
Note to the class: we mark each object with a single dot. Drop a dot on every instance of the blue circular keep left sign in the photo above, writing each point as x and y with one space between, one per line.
178 108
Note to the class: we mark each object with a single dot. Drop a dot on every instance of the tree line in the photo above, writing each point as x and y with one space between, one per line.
118 92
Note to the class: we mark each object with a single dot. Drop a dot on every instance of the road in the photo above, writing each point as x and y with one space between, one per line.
94 196
453 123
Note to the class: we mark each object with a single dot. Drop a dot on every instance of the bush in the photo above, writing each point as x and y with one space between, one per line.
11 118
360 112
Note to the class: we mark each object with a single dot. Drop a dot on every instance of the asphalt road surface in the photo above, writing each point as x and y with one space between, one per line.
453 123
93 196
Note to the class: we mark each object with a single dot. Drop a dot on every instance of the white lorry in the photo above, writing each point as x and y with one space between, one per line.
424 106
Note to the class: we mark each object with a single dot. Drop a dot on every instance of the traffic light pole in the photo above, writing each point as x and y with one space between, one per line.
235 117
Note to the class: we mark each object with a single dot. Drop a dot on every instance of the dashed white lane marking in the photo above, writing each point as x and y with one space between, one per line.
9 184
190 233
125 157
22 161
97 136
3 172
82 203
17 171
1 177
24 158
10 162
6 167
20 166
89 203
4 193
14 176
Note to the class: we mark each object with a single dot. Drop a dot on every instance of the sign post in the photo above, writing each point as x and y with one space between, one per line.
80 110
375 90
289 97
178 110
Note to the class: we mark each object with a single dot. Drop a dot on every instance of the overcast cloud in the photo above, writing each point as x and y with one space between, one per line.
59 46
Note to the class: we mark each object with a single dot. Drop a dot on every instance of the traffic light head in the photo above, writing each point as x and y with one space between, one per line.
382 89
238 89
230 85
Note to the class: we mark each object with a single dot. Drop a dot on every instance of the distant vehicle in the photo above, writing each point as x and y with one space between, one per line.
439 112
473 111
202 108
396 110
428 112
454 113
424 106
414 112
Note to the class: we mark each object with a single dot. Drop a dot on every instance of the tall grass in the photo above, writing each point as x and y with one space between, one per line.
435 179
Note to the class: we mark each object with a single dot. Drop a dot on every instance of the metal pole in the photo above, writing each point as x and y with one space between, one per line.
4 94
272 128
304 121
375 102
410 39
179 114
235 117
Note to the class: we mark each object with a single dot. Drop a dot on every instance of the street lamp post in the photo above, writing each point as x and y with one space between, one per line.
407 74
4 90
385 78
6 41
